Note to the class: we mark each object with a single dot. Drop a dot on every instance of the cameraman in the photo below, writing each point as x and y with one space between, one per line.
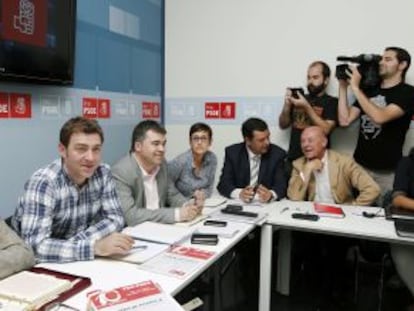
316 108
384 118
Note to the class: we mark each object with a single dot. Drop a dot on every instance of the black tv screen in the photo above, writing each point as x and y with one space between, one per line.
37 39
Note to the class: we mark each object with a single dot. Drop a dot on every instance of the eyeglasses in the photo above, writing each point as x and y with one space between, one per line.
202 139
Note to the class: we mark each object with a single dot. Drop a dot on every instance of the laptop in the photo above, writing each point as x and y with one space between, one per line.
404 228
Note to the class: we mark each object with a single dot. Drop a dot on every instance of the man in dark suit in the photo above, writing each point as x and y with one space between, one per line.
254 169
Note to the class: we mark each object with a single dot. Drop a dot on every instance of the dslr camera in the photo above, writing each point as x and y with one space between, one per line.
368 67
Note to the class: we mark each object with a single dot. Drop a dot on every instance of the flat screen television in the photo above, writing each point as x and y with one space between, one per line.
37 41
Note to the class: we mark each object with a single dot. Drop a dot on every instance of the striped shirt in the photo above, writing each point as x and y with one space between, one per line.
62 221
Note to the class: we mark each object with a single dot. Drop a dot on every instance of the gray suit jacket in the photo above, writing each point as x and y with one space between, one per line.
130 189
14 254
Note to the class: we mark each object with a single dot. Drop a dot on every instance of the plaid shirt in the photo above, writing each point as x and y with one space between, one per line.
62 221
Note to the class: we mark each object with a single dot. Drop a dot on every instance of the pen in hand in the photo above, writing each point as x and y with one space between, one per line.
139 247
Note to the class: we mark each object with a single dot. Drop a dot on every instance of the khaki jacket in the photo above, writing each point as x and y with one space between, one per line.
346 178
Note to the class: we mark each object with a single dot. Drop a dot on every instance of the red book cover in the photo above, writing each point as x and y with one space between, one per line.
328 210
79 283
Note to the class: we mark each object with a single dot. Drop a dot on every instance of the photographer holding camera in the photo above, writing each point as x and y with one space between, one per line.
384 115
385 119
316 108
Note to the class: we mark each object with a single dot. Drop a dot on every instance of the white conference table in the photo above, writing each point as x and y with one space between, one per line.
279 218
107 274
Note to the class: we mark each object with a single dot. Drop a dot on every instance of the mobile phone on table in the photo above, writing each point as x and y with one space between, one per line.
215 223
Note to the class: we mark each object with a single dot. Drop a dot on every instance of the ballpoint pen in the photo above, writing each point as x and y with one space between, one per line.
284 210
139 247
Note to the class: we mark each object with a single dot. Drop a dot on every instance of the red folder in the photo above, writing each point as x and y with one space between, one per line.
80 285
328 210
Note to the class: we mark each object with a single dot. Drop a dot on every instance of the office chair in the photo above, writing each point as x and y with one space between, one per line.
8 221
371 256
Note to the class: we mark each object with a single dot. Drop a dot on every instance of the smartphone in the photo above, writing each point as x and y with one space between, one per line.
296 90
215 223
207 239
233 207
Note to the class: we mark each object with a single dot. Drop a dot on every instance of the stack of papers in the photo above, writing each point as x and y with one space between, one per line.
178 261
31 290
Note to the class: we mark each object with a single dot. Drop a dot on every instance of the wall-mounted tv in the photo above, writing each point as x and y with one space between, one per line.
37 41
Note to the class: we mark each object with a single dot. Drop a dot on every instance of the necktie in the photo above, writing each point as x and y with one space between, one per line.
254 169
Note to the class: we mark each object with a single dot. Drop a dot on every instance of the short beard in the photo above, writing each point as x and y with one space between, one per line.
315 90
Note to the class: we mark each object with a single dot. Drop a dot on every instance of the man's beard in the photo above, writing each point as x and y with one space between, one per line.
315 90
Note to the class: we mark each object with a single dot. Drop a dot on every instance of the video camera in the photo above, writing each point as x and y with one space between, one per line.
368 68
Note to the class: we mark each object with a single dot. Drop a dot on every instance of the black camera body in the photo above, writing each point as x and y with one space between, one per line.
368 68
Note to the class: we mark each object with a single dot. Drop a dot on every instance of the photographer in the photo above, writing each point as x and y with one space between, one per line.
384 117
316 108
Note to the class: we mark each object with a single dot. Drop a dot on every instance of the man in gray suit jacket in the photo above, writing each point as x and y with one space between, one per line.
142 182
15 255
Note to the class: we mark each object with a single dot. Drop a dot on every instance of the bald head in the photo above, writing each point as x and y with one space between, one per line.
313 142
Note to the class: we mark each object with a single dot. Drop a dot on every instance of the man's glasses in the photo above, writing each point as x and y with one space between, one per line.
201 139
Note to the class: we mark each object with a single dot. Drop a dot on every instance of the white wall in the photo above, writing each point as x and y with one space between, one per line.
255 48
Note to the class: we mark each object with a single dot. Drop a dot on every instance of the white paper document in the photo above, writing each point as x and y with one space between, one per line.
227 232
178 262
192 222
143 251
214 201
238 218
159 233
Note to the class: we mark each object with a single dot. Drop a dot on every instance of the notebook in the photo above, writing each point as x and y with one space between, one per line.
159 233
29 290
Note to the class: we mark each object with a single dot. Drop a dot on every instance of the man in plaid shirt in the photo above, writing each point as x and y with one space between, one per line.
69 210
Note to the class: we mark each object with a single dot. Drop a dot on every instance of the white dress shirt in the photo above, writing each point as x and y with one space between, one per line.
323 191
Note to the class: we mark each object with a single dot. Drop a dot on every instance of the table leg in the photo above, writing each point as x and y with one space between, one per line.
265 267
283 262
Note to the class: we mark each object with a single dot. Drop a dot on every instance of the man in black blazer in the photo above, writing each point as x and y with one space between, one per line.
240 180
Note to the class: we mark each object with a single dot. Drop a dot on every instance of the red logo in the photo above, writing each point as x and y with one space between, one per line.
150 110
89 108
104 108
4 105
212 110
25 21
228 110
20 106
